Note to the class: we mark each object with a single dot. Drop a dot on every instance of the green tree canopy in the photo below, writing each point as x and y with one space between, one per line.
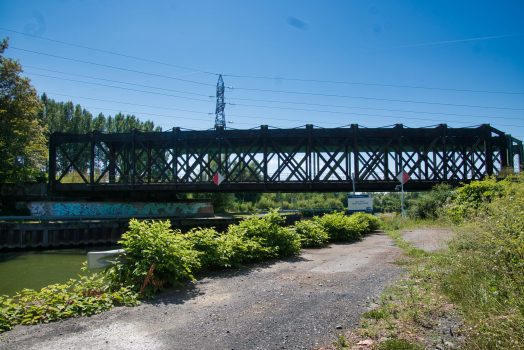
22 137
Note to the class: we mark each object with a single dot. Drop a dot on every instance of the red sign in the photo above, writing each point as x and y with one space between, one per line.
218 178
403 177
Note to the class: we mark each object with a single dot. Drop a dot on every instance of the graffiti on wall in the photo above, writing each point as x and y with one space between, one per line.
65 209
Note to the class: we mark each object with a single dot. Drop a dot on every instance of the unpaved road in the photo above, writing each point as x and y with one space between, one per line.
286 304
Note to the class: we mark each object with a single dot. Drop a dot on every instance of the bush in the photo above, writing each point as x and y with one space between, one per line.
368 221
311 233
339 227
225 250
267 230
429 205
88 296
156 256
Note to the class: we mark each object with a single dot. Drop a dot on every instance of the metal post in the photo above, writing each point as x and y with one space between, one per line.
402 200
353 178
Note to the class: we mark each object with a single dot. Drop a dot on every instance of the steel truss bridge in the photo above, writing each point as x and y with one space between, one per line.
303 159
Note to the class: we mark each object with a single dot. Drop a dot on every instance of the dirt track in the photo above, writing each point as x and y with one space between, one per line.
287 304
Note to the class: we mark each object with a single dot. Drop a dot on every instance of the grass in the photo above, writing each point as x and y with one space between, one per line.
465 295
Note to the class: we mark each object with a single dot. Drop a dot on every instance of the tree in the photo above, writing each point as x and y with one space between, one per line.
22 137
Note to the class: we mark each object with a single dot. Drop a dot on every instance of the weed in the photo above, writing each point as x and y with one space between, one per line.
399 344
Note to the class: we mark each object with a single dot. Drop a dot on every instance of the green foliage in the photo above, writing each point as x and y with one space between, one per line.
399 344
278 241
311 233
156 255
225 250
429 206
469 198
339 227
374 314
22 138
88 296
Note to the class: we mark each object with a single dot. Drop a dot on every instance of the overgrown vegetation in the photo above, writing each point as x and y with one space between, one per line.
87 296
470 294
158 256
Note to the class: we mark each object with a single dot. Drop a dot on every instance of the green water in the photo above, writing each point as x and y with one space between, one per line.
38 269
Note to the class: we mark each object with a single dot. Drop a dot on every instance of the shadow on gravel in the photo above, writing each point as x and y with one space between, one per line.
190 290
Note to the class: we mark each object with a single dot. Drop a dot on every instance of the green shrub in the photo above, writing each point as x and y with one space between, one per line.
371 222
311 233
88 296
156 256
339 227
429 205
225 250
276 240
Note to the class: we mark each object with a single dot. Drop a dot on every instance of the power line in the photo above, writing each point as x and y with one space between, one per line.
286 119
112 67
123 88
291 92
128 103
376 84
378 99
267 78
370 108
109 52
115 81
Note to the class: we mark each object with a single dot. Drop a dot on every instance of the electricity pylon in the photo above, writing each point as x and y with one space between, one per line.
220 117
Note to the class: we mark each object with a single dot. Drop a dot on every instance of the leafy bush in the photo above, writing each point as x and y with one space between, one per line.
224 250
371 222
88 296
156 255
469 198
429 205
267 230
311 233
339 227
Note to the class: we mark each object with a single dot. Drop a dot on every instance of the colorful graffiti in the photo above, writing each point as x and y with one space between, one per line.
65 209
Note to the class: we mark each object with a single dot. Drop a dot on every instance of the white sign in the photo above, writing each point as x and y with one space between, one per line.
363 202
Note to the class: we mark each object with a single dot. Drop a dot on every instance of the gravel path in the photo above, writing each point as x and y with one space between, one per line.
295 303
430 239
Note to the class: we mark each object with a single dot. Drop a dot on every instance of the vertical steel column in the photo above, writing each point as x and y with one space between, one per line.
52 162
112 162
92 161
400 149
510 151
174 135
219 129
445 151
133 157
309 128
263 128
488 150
356 153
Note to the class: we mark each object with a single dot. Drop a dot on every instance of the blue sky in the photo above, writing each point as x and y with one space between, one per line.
363 44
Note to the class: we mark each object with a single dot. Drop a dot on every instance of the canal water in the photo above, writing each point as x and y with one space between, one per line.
38 269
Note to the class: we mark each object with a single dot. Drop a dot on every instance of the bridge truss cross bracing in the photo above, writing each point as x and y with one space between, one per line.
279 160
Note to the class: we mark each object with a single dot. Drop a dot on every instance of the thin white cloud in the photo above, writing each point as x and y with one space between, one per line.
458 41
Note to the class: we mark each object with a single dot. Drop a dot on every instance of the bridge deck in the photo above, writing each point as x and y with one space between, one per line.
279 160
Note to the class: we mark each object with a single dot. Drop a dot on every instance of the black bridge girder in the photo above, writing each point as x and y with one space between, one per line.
306 159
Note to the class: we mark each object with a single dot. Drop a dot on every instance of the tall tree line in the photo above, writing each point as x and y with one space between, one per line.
69 118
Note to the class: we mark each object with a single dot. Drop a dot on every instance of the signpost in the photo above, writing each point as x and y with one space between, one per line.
403 177
362 202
